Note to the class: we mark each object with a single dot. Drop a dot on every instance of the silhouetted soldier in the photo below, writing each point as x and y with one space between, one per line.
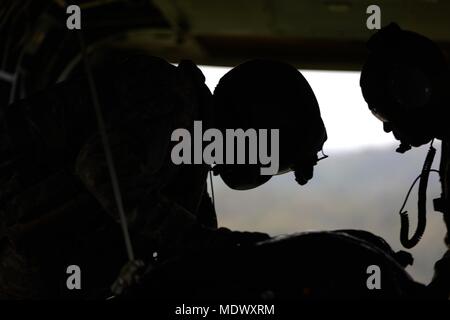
405 82
56 191
310 265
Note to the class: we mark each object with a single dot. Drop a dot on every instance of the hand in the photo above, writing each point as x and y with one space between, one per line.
130 274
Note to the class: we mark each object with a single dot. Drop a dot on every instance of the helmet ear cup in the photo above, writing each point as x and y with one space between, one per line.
409 86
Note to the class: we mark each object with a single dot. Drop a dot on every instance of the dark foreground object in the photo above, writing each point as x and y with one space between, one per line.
317 265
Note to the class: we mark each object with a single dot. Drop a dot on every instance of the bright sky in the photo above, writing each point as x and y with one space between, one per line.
349 123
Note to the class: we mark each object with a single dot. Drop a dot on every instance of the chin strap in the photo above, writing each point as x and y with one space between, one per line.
130 272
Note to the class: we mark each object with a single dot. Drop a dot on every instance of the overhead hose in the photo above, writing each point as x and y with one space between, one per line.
421 204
